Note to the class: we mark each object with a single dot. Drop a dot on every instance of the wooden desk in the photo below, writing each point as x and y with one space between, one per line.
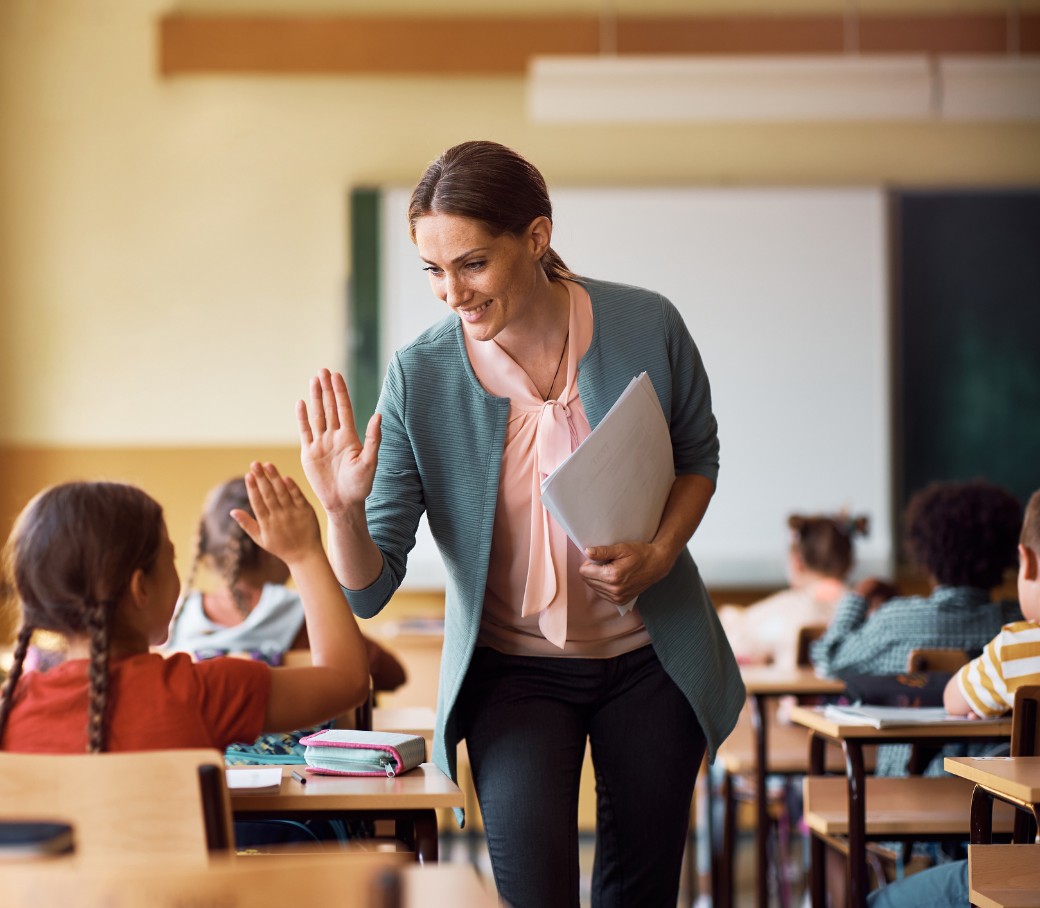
852 738
765 683
1014 780
924 806
263 882
410 799
1004 876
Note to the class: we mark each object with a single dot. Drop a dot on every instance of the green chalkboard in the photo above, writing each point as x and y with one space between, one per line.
365 372
967 338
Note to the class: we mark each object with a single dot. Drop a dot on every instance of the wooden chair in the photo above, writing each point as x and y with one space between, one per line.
169 803
936 660
807 635
931 660
1025 723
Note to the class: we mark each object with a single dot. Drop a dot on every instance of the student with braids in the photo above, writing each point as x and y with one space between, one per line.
818 563
251 610
93 562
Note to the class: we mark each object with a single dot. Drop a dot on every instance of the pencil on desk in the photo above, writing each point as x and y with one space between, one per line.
299 778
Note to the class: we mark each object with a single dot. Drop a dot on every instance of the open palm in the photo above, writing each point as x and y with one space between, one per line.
338 465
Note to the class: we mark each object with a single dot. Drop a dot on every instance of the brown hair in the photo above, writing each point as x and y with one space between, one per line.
222 541
490 183
1030 537
72 554
963 533
825 543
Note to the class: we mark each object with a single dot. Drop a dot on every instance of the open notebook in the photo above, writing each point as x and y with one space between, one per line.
895 716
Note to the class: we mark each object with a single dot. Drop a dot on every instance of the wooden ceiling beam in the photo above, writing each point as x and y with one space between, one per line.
470 46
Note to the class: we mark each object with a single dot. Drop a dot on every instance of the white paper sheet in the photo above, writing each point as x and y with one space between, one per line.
614 486
253 779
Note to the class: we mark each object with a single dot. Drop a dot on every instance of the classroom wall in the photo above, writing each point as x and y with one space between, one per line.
173 253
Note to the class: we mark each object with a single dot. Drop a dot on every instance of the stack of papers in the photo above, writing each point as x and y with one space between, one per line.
614 486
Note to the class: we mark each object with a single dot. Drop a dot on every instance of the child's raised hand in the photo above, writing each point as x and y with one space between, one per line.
285 523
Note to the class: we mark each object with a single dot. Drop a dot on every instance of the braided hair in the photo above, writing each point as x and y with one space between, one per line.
72 554
223 543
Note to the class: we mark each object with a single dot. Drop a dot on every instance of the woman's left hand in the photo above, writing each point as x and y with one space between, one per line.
621 572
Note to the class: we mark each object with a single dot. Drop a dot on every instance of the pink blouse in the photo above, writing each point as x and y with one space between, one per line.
536 602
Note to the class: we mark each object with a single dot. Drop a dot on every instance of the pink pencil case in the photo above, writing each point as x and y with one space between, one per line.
351 752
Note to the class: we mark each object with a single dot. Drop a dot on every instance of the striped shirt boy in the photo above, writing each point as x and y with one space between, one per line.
1009 661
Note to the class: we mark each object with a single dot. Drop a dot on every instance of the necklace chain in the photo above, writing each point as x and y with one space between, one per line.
556 374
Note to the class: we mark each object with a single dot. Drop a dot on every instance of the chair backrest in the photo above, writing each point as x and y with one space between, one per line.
807 634
1025 726
936 660
360 717
171 803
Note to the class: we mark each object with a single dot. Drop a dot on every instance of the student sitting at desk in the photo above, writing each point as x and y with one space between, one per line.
250 610
818 562
985 687
93 561
964 535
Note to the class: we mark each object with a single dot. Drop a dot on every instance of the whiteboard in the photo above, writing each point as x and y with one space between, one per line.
785 293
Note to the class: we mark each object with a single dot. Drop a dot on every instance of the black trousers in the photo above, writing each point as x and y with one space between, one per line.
526 721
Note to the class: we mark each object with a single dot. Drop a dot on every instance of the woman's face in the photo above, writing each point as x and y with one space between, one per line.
489 281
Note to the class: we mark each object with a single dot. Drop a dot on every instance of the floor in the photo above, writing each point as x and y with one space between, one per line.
464 848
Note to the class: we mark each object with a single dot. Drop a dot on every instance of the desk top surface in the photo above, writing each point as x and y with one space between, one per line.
814 718
422 788
1017 777
773 681
267 879
897 806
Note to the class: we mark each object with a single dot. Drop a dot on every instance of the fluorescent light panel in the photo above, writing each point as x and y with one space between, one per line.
990 88
643 89
660 89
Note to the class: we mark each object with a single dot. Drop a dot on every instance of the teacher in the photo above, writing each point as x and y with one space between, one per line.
537 657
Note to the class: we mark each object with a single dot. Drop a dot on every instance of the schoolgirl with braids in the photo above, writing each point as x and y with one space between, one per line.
247 608
92 561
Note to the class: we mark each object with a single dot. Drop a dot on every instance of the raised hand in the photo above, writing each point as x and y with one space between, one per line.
339 467
285 523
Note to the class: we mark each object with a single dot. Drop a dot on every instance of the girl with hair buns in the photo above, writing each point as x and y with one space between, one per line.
819 560
538 661
249 609
92 561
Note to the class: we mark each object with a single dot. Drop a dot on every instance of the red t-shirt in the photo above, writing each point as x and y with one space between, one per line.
154 703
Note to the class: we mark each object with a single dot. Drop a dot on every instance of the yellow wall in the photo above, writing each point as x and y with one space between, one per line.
173 253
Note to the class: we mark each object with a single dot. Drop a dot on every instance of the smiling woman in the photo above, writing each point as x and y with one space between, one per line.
538 661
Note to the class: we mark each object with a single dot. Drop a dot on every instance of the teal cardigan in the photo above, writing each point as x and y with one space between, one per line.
441 452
